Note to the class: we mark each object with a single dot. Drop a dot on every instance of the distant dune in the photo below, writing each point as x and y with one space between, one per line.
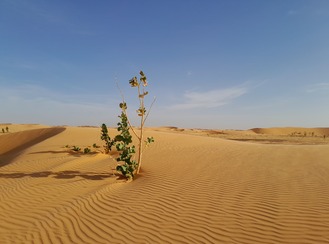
194 188
292 130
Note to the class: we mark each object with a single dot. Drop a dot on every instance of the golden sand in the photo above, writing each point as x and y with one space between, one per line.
195 187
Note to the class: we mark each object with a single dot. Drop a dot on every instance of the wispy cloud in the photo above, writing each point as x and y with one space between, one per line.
210 99
318 87
35 104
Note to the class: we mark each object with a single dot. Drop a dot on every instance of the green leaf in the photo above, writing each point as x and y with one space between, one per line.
141 111
133 82
143 78
123 106
119 138
120 146
150 140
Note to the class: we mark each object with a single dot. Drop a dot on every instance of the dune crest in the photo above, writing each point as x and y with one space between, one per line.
12 144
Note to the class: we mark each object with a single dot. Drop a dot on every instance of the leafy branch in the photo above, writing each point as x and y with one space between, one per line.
130 167
142 113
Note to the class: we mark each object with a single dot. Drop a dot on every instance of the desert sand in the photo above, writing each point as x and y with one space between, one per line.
196 186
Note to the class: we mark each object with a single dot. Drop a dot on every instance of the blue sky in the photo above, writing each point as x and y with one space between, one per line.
211 64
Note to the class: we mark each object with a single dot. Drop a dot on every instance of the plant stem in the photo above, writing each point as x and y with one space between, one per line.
140 150
140 144
124 110
149 110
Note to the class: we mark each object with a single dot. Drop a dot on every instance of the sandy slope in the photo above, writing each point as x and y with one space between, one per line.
193 189
293 130
12 144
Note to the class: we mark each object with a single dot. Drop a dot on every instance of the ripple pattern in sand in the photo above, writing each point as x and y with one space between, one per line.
214 192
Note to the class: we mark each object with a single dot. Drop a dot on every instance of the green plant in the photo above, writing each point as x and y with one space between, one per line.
127 165
148 141
105 137
7 129
95 146
123 142
76 149
3 130
132 166
86 150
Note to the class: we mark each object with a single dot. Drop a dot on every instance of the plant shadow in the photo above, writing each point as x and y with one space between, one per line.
67 174
70 152
8 155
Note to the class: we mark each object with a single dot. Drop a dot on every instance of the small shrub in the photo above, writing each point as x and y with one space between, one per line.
148 141
132 167
95 146
123 141
86 150
128 166
76 149
107 139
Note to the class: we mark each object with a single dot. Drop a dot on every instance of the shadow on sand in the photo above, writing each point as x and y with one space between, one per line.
68 174
68 152
24 140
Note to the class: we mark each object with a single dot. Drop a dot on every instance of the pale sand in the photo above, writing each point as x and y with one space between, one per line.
193 189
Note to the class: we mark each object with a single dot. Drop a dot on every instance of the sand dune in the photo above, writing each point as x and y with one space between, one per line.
193 189
293 130
12 144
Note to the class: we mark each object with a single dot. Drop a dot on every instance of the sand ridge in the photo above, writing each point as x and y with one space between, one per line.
293 131
192 189
11 144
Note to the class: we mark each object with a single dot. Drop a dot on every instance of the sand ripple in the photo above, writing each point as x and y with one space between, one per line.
192 190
